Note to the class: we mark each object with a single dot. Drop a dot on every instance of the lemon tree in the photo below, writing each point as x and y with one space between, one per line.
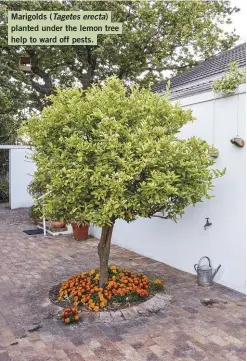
113 152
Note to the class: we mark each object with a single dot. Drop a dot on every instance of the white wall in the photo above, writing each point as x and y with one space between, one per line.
181 245
21 172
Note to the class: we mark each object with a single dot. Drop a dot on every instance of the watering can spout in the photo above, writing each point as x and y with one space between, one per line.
217 269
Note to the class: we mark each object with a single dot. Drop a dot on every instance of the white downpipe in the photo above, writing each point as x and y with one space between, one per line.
44 226
44 223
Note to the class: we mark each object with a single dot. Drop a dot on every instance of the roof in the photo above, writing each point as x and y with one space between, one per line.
200 77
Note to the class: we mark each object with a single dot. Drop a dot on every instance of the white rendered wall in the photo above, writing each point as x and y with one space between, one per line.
21 173
181 245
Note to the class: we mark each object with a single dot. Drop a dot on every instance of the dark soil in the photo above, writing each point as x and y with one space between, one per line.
53 295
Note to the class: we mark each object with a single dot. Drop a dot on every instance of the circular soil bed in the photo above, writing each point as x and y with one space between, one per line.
124 290
54 294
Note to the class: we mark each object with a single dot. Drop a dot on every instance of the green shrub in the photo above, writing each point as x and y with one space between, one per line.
4 189
230 81
35 212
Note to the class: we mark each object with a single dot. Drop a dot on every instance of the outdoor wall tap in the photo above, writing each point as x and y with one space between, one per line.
207 224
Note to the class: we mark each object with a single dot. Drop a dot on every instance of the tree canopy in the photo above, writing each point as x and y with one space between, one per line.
157 36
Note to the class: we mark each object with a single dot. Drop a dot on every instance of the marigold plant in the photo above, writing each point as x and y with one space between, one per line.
70 315
122 286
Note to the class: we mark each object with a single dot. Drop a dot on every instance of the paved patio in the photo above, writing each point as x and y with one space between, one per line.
187 330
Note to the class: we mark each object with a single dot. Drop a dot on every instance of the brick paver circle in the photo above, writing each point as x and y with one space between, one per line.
153 305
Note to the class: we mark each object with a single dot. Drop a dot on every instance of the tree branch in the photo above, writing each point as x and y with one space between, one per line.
91 66
41 88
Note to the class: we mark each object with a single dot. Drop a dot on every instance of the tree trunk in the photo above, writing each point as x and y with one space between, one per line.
104 247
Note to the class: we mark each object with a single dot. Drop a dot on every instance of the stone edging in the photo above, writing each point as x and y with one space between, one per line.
153 305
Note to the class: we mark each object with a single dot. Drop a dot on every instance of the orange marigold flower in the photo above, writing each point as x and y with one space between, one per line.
159 282
85 288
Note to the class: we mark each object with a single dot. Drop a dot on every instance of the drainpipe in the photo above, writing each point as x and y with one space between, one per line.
44 223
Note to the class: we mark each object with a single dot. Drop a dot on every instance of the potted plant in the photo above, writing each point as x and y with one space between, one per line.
57 219
80 230
214 152
228 84
57 224
38 188
35 214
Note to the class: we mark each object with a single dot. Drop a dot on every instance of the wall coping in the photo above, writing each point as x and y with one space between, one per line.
207 96
7 146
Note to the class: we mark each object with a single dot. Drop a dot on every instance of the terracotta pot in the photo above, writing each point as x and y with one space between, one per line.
80 232
57 224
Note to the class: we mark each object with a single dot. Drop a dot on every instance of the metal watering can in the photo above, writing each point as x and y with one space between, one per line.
205 274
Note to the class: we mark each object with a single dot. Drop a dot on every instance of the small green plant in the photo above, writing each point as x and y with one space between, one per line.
214 152
35 212
4 190
230 81
155 285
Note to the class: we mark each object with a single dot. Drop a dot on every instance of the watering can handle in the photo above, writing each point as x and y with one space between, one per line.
196 267
209 263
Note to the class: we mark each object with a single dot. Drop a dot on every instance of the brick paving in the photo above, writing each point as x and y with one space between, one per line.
184 331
